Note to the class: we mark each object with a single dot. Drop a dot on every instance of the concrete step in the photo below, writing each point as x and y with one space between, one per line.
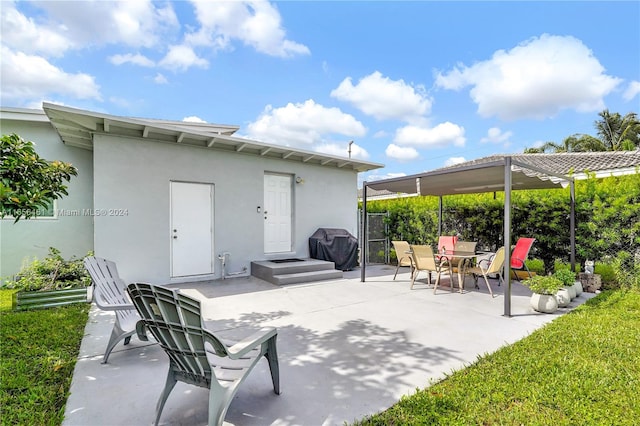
305 277
305 270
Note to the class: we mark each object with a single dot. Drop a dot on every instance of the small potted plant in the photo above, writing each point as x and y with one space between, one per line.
544 288
568 279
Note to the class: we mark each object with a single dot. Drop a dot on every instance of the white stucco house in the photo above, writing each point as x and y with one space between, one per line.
167 200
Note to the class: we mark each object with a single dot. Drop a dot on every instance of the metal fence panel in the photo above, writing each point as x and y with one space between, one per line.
378 250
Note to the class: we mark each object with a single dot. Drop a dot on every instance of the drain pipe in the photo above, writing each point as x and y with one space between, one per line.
223 260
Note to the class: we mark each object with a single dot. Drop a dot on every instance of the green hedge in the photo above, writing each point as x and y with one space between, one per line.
607 219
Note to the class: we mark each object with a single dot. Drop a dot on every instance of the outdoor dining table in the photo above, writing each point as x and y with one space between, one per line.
463 258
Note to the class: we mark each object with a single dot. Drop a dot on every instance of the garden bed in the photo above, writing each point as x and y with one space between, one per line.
46 299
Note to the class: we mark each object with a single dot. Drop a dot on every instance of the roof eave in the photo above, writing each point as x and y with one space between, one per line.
77 128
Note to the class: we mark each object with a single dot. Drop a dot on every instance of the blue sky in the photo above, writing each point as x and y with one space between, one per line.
415 85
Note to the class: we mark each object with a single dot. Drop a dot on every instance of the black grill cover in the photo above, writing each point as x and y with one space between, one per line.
335 245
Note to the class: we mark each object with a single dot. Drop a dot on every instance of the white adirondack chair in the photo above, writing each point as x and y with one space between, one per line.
110 295
196 355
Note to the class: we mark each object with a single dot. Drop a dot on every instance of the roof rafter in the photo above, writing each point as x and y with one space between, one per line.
67 120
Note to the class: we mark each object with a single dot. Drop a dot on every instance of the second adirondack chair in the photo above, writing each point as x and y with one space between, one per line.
110 295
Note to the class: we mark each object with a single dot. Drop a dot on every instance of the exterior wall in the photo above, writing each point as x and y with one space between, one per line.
135 174
71 231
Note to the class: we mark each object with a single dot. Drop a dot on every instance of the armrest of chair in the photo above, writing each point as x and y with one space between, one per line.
406 256
141 331
249 343
113 306
486 260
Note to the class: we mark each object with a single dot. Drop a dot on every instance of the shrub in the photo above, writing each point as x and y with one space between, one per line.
535 265
626 269
607 275
543 284
565 276
560 264
607 219
51 273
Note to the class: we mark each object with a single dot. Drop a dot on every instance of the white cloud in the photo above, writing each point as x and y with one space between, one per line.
181 58
25 77
633 89
536 79
193 119
160 79
303 124
454 160
342 150
139 23
130 58
24 34
402 153
442 135
495 135
255 23
383 98
374 176
57 27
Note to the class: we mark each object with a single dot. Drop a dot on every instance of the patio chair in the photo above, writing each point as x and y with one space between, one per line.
519 255
488 266
424 260
460 264
110 295
461 246
403 254
196 355
445 243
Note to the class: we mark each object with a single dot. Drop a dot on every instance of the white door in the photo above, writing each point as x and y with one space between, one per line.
191 229
277 213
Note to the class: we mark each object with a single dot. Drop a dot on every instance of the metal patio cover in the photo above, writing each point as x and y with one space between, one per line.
496 173
473 177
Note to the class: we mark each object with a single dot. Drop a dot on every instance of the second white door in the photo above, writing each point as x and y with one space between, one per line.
277 213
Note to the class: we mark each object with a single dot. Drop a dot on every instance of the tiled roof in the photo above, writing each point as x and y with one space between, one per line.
566 163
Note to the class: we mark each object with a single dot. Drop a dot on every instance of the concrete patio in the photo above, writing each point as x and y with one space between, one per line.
347 349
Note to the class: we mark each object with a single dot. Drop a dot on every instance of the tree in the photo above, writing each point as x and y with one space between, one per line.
574 143
27 181
618 133
615 133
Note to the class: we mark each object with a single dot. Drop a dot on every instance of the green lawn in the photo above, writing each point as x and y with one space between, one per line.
39 350
581 369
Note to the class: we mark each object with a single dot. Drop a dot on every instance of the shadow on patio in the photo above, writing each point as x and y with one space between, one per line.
346 349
